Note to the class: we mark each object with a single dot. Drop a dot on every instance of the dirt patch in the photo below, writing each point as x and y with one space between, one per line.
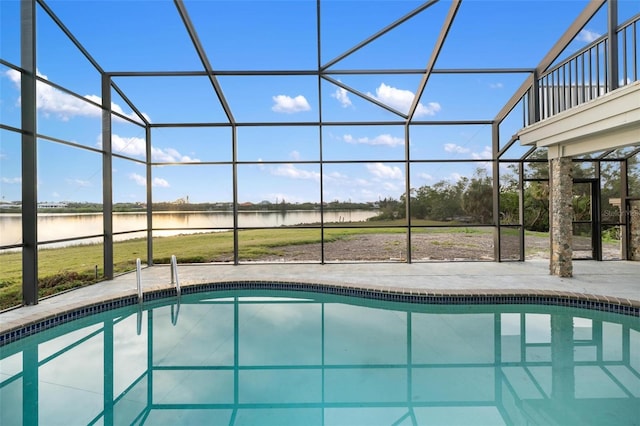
424 247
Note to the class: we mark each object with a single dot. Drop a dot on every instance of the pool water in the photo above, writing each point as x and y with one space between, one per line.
285 358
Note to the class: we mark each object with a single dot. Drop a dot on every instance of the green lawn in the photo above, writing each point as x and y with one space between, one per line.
64 268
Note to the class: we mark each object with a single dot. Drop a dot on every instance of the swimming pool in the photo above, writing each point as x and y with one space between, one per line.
298 358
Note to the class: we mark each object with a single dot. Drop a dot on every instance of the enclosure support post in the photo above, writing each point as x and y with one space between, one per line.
407 190
320 138
624 217
149 196
107 190
29 153
521 189
234 150
495 143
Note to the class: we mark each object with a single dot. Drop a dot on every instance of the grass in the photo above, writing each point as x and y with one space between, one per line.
60 269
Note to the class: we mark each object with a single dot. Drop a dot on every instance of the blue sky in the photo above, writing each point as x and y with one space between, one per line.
264 35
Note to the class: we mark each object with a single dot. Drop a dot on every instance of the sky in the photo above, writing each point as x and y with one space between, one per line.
276 161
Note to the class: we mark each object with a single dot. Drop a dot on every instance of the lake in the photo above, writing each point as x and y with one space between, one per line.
56 226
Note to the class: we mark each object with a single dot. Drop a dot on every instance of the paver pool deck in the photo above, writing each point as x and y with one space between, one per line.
617 281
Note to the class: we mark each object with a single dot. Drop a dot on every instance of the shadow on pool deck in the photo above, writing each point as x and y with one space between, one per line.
619 279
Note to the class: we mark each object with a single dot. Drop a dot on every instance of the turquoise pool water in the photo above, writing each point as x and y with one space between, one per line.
284 358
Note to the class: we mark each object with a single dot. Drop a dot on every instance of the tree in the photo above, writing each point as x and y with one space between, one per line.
389 209
509 202
477 200
536 206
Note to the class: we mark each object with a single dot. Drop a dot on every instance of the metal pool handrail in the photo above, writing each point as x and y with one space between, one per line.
139 279
174 273
175 312
174 279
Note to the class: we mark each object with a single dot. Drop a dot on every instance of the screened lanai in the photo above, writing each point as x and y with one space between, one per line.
313 131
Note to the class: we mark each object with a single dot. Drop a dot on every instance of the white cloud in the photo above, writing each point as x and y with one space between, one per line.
160 182
385 172
430 109
142 181
455 177
133 146
138 179
401 100
336 175
496 85
425 176
341 180
587 36
505 168
458 149
170 155
52 101
342 96
79 182
486 153
14 76
452 147
291 171
117 108
136 147
368 195
384 139
389 186
15 180
342 186
294 155
289 105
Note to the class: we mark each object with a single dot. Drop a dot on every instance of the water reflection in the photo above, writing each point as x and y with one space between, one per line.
274 358
55 226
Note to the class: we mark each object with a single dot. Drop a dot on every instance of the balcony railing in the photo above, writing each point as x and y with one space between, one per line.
584 76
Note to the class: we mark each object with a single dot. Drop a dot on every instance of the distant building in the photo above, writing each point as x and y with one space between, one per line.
52 205
184 200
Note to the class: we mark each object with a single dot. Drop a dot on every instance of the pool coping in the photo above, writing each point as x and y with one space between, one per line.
15 330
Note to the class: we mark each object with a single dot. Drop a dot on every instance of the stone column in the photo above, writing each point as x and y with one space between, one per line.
561 220
634 230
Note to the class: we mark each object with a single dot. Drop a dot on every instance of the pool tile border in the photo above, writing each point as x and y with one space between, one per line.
33 324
